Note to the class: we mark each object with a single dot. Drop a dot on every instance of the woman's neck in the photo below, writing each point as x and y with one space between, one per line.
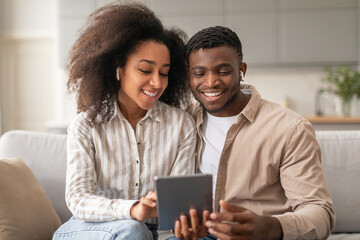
131 112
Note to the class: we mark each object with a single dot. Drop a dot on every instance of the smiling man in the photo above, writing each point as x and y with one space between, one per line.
264 158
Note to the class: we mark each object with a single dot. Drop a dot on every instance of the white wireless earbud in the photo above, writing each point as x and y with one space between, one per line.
118 74
242 75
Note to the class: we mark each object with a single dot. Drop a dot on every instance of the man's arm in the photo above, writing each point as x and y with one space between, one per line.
304 184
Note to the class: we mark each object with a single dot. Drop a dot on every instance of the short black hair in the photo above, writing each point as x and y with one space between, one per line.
214 37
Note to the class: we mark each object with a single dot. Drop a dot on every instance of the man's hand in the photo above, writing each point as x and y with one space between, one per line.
241 223
145 208
184 231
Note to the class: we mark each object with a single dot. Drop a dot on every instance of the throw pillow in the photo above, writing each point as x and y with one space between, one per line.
25 210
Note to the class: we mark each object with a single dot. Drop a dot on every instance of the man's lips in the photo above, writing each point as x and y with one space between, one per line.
212 94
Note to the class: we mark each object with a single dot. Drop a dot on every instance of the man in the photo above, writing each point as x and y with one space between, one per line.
265 159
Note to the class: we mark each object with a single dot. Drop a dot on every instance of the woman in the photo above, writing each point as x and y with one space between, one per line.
124 62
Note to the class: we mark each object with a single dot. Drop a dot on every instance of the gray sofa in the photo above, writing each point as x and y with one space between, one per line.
45 154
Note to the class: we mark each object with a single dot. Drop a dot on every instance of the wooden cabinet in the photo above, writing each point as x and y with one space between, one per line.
273 32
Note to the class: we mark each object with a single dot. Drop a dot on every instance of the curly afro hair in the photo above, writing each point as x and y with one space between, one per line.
106 40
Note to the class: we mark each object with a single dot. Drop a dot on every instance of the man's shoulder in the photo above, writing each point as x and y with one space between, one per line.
278 114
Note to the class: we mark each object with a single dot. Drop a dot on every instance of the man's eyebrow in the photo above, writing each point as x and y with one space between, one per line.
153 63
197 68
223 65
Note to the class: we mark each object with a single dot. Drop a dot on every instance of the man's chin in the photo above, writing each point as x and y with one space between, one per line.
212 109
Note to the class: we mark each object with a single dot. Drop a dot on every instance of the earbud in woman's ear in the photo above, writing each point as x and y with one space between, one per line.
118 73
242 75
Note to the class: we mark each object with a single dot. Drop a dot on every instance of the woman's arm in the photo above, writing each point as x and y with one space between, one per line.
81 180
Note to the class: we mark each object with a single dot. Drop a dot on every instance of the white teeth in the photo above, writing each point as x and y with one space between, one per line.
212 94
150 94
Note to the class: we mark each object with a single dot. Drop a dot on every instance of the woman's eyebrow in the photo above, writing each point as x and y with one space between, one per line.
153 63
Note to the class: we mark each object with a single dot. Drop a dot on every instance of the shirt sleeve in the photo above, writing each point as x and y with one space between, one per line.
81 179
304 183
185 157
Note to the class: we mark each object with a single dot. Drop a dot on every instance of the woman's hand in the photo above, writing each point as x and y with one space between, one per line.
145 208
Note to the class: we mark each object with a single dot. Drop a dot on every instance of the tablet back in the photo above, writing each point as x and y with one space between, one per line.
176 194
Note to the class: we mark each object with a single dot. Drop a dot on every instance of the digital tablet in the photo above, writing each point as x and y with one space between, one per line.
177 194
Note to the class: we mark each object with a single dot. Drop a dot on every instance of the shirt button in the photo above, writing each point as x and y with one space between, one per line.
137 161
138 143
136 184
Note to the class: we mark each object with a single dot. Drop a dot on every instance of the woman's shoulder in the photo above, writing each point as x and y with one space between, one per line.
79 123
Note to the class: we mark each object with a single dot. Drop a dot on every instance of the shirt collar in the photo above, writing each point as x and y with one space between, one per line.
252 106
153 113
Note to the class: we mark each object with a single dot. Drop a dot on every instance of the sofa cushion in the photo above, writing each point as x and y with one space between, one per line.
341 165
45 155
25 211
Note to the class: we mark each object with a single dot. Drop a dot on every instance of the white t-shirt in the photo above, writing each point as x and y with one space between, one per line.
214 130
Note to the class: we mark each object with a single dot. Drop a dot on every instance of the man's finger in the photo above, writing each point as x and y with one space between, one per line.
185 226
177 230
231 229
224 236
230 217
195 223
205 218
231 208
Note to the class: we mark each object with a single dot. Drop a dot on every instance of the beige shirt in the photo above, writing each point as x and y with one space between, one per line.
110 166
271 164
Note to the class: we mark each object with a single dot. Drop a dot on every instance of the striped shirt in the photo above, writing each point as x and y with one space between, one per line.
111 166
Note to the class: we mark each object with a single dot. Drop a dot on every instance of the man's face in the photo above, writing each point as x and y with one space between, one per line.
215 79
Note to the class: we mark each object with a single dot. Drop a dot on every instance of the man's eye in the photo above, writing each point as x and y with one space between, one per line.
224 72
197 75
144 71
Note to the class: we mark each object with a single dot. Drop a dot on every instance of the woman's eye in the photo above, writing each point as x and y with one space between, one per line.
144 71
164 74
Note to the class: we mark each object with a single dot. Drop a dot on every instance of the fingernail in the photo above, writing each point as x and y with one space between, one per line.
209 224
212 231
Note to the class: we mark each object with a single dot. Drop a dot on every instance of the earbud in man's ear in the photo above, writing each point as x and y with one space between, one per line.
242 75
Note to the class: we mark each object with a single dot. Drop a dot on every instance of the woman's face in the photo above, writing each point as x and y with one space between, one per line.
144 77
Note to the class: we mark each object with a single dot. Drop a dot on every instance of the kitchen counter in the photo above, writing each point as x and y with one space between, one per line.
334 122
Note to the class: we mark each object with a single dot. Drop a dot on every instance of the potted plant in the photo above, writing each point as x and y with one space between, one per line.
344 83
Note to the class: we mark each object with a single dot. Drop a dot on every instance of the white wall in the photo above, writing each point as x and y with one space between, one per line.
36 35
28 63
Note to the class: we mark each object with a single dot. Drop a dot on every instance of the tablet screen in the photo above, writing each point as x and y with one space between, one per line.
177 194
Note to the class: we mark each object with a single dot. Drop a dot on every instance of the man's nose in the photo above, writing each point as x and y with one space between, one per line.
211 79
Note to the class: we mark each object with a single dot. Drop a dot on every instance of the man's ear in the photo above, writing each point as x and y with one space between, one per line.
242 68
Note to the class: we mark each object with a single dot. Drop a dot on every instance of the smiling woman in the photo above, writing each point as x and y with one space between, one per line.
143 79
128 74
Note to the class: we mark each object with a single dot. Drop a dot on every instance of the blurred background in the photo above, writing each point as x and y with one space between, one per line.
286 43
